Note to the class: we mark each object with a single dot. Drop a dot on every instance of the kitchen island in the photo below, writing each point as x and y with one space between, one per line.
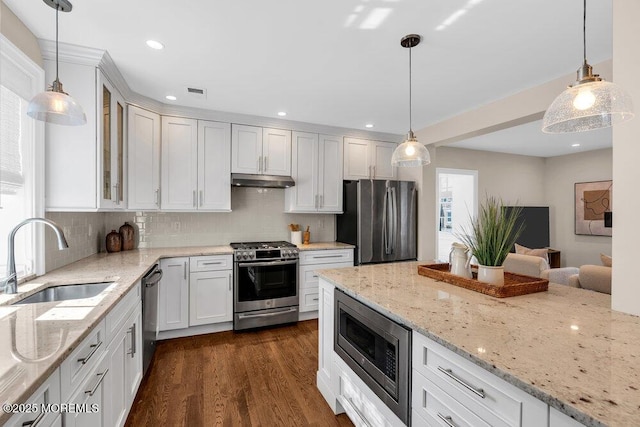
565 347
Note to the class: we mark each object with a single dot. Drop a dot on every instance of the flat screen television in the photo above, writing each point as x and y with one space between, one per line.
536 226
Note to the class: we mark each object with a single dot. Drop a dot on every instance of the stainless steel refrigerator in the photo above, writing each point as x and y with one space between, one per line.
380 219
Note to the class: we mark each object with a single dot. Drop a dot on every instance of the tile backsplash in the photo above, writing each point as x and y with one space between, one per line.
257 215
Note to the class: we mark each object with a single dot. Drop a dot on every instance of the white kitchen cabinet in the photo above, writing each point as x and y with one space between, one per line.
84 165
259 151
95 396
47 394
316 167
445 383
195 173
310 261
143 171
111 138
125 367
214 167
211 290
324 377
173 299
558 419
364 159
179 171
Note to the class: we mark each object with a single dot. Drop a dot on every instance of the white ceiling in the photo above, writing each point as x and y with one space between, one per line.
315 60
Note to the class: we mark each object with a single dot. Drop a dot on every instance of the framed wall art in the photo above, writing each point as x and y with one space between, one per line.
593 202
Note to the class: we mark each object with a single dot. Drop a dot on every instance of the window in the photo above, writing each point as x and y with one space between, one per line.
21 165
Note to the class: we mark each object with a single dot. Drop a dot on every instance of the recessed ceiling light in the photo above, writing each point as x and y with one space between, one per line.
368 125
155 44
282 113
171 97
575 145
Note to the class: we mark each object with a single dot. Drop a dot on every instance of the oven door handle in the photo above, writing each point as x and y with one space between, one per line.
266 263
273 313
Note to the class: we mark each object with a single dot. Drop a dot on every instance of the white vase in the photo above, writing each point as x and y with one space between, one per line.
493 275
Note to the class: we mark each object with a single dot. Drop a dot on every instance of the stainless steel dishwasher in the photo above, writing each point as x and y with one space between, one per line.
149 314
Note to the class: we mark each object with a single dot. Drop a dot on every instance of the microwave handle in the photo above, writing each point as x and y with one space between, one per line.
266 263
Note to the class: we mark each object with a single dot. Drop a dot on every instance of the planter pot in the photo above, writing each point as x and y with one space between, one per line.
493 275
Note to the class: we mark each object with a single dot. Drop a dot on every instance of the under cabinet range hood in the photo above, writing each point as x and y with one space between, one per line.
265 181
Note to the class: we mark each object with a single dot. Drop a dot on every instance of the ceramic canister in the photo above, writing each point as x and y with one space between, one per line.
114 242
127 233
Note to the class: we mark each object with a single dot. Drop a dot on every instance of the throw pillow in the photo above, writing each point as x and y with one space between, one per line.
606 260
542 253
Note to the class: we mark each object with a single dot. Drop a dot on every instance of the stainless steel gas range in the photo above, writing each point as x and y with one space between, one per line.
265 284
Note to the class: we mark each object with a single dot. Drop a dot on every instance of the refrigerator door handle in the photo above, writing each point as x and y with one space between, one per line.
394 222
387 222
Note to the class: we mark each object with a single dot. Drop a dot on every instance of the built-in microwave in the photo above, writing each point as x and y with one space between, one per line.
377 349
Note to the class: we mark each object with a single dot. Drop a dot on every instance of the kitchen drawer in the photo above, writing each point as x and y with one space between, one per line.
308 277
82 360
326 257
118 316
436 408
211 263
47 393
308 299
490 398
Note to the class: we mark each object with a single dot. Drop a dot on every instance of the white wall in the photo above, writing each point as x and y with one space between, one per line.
561 173
515 179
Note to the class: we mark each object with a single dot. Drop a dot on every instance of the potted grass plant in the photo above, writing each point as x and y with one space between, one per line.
490 236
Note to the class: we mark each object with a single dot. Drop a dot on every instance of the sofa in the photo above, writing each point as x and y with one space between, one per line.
530 265
593 277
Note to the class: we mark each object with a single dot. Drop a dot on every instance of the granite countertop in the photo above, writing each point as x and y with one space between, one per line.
38 337
323 246
566 346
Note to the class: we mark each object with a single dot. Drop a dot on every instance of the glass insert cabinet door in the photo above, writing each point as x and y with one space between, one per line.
112 145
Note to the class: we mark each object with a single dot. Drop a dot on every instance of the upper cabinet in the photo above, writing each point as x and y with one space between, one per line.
84 165
365 159
195 171
317 170
144 159
259 151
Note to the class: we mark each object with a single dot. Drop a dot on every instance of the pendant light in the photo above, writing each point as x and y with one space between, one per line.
590 103
55 105
410 152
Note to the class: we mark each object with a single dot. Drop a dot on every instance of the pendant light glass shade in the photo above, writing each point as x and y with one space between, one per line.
588 106
590 103
410 153
55 105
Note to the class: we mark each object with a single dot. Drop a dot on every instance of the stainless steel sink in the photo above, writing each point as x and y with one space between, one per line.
65 292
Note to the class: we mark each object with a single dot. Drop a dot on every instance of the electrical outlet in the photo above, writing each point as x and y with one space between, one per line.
175 226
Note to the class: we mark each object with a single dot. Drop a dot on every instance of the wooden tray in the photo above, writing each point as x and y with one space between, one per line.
514 284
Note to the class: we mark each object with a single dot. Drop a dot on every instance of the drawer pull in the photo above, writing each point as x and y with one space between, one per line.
94 347
133 350
95 387
327 256
213 263
450 374
447 420
36 421
315 299
347 401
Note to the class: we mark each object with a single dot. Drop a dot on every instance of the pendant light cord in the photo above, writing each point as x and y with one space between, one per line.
584 31
57 62
410 127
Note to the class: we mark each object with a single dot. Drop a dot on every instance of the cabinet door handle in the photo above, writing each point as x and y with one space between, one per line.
230 282
259 164
132 330
185 270
94 348
321 201
369 172
95 387
195 203
115 194
447 420
201 197
36 421
374 171
158 197
450 374
265 163
315 201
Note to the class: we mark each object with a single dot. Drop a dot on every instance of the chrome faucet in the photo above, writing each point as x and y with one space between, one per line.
11 282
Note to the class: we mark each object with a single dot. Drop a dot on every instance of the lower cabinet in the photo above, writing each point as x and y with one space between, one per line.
211 293
173 299
94 395
47 393
310 261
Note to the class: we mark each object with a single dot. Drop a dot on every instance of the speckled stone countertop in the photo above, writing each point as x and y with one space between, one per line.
324 246
38 337
566 346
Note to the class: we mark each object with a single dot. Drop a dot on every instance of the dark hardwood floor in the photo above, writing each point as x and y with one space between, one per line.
257 378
